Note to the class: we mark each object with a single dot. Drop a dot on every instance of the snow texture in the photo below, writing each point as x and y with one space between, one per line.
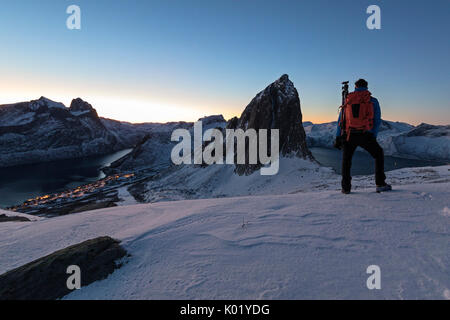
306 245
18 214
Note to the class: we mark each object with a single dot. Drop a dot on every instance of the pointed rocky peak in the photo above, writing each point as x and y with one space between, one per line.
79 104
276 107
80 107
286 86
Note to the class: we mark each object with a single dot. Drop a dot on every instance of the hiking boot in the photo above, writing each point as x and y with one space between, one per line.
383 188
345 191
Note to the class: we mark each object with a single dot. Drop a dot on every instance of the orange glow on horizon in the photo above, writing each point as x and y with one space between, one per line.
167 105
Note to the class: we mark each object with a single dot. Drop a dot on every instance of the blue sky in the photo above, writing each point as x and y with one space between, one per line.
179 60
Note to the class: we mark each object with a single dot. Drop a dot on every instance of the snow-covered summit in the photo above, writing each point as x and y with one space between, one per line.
284 85
45 102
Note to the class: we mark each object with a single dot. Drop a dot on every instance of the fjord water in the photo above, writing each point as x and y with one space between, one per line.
24 182
21 183
363 163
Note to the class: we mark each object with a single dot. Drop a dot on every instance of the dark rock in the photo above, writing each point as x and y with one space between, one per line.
45 278
95 206
5 218
139 191
276 107
79 105
233 123
212 119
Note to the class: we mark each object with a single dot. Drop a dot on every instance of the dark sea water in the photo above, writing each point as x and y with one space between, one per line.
24 182
364 164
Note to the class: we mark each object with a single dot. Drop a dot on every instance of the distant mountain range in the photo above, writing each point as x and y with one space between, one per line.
147 174
253 221
43 130
425 141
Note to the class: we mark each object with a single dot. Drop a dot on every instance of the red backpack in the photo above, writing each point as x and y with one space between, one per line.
357 113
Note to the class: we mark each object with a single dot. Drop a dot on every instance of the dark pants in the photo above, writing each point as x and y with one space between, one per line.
367 141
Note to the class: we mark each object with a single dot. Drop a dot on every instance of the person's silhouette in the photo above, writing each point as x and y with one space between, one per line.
358 125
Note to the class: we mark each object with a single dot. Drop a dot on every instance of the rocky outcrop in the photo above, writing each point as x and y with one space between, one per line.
46 278
276 107
80 106
5 218
43 130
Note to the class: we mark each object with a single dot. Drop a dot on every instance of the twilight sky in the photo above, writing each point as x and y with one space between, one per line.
167 60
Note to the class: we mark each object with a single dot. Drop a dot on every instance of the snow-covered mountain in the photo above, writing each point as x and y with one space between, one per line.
43 130
276 107
134 133
428 142
154 149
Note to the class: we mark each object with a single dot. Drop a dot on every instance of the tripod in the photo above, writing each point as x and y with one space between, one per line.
338 141
344 91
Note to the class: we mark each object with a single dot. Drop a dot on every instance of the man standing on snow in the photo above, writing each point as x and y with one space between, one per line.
358 125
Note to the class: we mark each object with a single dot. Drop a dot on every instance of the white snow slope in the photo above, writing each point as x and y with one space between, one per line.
313 245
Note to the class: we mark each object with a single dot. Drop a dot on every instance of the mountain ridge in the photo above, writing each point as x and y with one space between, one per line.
43 130
400 139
